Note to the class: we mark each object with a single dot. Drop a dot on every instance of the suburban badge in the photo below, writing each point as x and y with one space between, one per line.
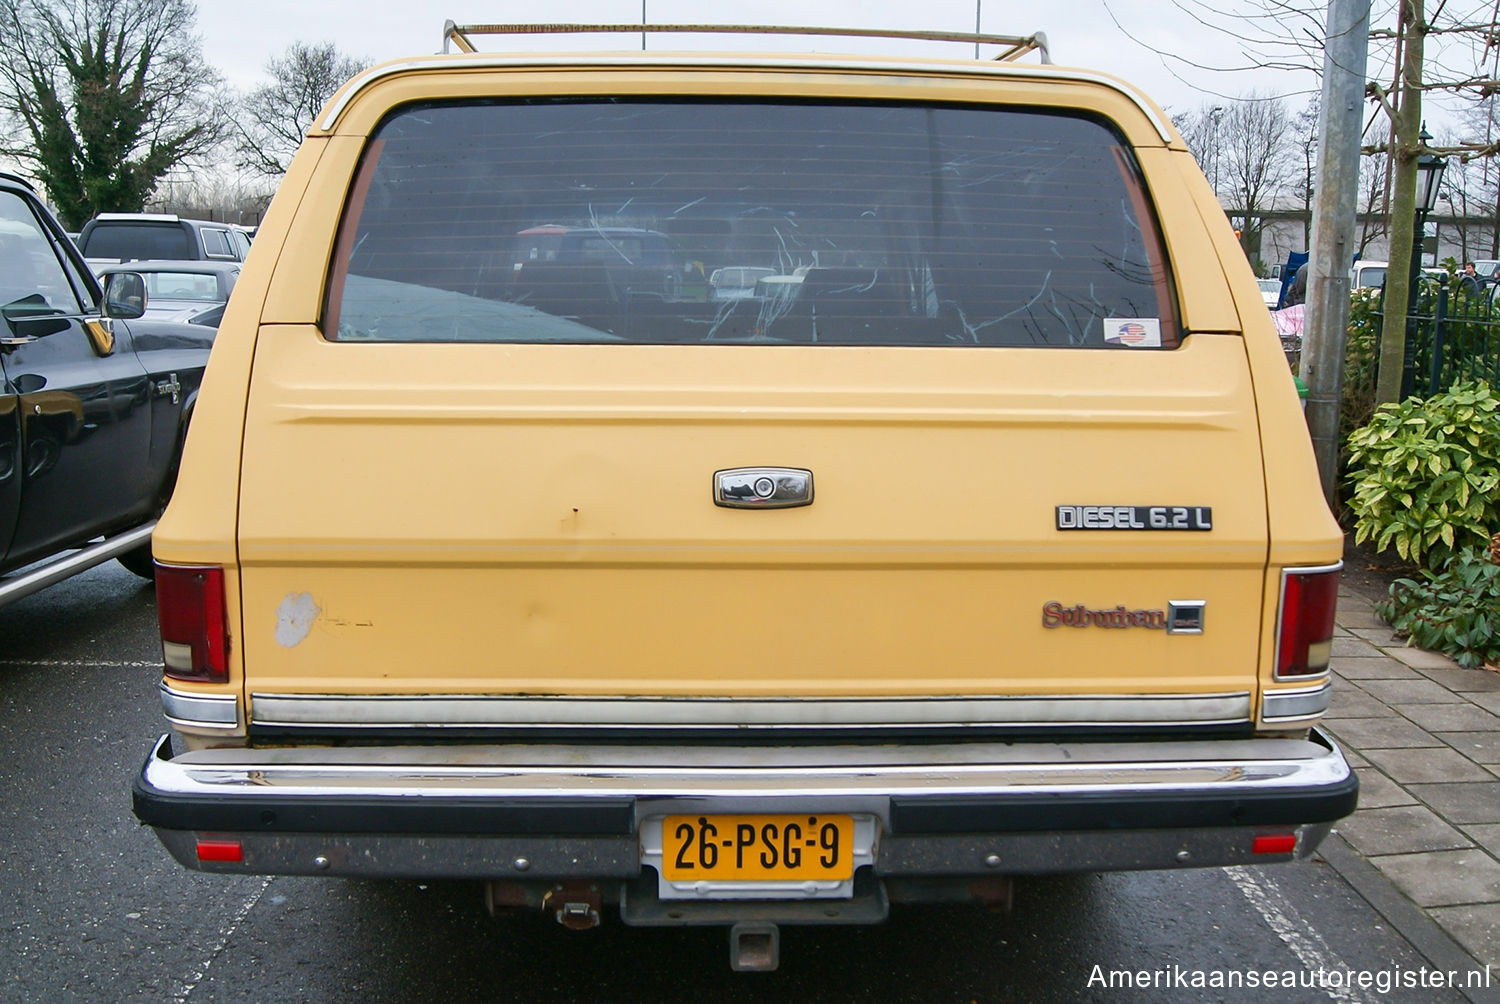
1180 617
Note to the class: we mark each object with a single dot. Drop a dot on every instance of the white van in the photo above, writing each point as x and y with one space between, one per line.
1367 274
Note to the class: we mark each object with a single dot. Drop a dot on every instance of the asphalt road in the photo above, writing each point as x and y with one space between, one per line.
94 910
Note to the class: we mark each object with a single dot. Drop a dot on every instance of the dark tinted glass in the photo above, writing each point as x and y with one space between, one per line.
216 242
30 271
802 223
139 240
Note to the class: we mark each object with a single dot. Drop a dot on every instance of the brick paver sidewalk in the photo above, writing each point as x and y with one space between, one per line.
1424 736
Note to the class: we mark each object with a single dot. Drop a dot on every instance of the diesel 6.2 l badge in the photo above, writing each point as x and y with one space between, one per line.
1135 517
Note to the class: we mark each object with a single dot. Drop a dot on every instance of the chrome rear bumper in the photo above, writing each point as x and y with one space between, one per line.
525 812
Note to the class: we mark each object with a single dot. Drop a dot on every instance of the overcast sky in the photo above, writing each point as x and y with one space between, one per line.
239 38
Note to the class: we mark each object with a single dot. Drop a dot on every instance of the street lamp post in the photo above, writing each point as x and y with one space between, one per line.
1216 113
1430 169
1307 194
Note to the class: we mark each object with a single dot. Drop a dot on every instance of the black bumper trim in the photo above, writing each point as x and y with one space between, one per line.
1108 811
396 814
606 816
563 793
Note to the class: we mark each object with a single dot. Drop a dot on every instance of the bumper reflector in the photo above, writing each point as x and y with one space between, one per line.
1274 843
220 850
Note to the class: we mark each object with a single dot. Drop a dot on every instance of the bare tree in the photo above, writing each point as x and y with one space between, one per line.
1445 52
214 193
1482 188
1305 132
1373 222
1467 195
103 97
276 116
1200 131
1452 51
1255 142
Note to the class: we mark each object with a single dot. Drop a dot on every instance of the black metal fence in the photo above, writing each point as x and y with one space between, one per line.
1452 334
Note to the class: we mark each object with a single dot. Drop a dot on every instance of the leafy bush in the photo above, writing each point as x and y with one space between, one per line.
1455 611
1426 474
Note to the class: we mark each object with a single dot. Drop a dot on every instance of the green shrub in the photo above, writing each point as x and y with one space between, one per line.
1426 474
1455 611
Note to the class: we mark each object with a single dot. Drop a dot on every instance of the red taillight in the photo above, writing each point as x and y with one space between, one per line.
190 609
1304 640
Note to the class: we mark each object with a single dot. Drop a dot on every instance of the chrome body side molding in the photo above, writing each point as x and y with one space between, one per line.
429 711
1296 705
202 711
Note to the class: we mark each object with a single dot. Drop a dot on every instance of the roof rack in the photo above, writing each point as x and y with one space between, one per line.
1013 46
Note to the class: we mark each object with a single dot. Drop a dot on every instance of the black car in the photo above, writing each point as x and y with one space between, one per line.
94 404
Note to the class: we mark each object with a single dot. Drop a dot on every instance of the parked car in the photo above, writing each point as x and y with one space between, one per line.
193 292
1367 274
989 541
590 273
1270 291
93 406
1371 274
736 282
110 238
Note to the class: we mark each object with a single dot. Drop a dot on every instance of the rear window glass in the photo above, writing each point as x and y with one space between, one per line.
782 223
183 286
138 240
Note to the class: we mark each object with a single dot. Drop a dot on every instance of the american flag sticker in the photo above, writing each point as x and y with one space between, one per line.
1137 333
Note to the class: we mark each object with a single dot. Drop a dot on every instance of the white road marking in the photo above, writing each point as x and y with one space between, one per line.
1298 935
224 935
108 663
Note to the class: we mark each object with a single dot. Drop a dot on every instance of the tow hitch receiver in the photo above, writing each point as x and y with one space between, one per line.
575 905
754 947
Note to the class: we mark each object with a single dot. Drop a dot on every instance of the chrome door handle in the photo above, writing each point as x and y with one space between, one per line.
763 488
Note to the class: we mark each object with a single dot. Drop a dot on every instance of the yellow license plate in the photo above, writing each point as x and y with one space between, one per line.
765 848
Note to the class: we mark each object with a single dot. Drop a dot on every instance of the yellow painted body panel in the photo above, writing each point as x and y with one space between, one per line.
199 525
523 518
1303 533
1197 269
738 75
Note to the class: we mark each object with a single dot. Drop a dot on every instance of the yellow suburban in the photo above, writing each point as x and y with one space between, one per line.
747 490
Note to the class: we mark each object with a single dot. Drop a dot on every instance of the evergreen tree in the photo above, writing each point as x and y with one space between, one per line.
104 97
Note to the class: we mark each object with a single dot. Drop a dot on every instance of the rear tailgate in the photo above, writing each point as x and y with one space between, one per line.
540 520
478 478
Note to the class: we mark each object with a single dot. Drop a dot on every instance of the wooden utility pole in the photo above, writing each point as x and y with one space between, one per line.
1334 239
1406 124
